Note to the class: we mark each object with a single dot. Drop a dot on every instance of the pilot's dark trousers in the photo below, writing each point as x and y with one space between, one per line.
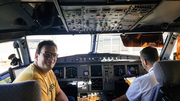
70 98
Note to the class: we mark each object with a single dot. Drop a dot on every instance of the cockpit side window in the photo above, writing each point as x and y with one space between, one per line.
174 53
6 50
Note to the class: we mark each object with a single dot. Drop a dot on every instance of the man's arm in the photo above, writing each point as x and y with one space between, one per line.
60 96
121 98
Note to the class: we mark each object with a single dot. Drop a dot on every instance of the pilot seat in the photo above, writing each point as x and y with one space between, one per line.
167 74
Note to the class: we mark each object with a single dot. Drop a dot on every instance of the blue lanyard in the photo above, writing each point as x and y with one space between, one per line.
151 70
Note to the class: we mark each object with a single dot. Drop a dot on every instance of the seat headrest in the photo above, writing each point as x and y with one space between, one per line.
22 91
167 72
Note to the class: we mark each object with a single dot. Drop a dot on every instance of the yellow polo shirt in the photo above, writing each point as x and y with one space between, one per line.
49 84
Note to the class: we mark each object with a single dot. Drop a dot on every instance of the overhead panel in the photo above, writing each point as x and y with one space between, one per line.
107 1
83 0
102 19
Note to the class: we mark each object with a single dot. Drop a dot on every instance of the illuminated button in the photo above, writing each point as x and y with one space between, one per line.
120 25
130 26
98 16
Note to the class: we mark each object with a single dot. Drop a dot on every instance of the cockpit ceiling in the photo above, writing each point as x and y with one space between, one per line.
88 16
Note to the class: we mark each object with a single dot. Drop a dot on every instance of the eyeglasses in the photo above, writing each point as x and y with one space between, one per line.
48 54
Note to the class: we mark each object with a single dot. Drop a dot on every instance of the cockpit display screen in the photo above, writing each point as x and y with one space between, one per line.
96 70
119 70
86 73
132 69
59 72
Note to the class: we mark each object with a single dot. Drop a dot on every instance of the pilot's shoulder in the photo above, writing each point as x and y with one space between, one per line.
144 78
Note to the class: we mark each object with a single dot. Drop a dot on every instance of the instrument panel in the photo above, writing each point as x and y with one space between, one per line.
99 70
95 76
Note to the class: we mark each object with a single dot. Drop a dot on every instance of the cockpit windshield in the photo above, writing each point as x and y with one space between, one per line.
82 44
67 44
113 43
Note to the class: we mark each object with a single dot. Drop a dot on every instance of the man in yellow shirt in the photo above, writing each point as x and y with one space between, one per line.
41 70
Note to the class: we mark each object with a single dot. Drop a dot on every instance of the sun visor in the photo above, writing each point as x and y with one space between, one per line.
142 40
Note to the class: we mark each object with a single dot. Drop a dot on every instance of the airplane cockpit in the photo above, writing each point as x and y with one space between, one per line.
98 41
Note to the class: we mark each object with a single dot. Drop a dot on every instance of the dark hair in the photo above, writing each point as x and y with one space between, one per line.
150 54
44 43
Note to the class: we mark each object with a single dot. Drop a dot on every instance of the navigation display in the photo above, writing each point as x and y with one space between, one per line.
119 70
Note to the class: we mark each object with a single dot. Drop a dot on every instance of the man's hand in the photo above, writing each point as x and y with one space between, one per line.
121 98
117 99
61 96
